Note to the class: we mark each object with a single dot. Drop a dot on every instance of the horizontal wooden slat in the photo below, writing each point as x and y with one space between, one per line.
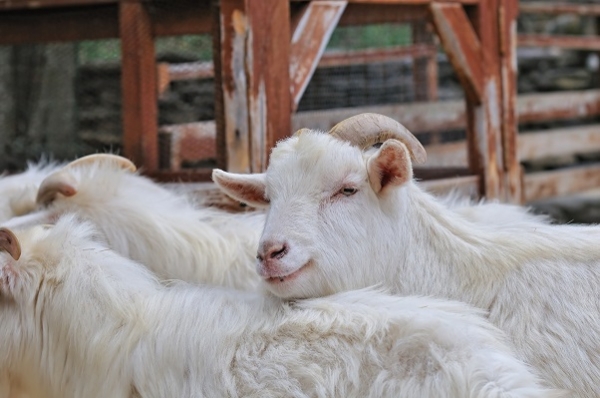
37 4
558 106
205 69
559 142
417 117
363 14
370 56
568 181
531 146
449 115
591 43
95 23
558 8
190 142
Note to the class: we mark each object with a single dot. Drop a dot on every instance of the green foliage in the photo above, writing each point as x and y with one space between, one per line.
102 51
370 36
200 46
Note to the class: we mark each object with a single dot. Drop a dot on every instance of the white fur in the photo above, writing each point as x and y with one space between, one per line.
78 320
18 191
159 228
540 282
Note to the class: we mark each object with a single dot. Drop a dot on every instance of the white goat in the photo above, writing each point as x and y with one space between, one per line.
345 214
18 191
150 224
79 320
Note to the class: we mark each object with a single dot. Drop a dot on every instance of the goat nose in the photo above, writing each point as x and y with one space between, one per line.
272 250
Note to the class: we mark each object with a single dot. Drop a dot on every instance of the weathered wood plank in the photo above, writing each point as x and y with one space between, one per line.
417 117
547 184
507 15
362 14
462 46
571 42
138 82
309 40
267 67
191 142
558 106
531 146
44 25
559 8
36 4
425 73
234 85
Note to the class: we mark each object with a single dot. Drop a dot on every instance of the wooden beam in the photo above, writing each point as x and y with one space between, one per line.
425 73
558 106
254 68
570 42
96 22
138 82
268 70
36 4
364 14
507 21
461 45
559 8
417 117
310 37
568 181
233 81
484 118
189 142
530 145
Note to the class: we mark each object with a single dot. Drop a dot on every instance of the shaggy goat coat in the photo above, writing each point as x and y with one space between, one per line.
346 223
161 229
78 320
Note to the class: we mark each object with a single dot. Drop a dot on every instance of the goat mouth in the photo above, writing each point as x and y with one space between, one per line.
286 278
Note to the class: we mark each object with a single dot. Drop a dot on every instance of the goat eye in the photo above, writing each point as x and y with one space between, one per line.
348 191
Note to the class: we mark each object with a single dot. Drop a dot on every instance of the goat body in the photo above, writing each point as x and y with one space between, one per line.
78 320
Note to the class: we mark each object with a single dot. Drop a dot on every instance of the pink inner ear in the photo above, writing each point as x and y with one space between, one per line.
248 192
391 169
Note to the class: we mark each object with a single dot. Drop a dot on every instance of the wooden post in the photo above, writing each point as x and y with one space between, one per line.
139 85
507 17
425 69
255 80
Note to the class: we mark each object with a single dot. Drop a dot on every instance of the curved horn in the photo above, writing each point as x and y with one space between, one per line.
9 243
122 162
367 129
61 182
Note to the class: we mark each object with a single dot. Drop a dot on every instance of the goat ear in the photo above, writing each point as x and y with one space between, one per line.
390 166
9 243
246 188
60 182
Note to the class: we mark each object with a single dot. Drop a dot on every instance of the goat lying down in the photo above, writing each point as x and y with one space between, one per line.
150 224
173 237
79 320
345 214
